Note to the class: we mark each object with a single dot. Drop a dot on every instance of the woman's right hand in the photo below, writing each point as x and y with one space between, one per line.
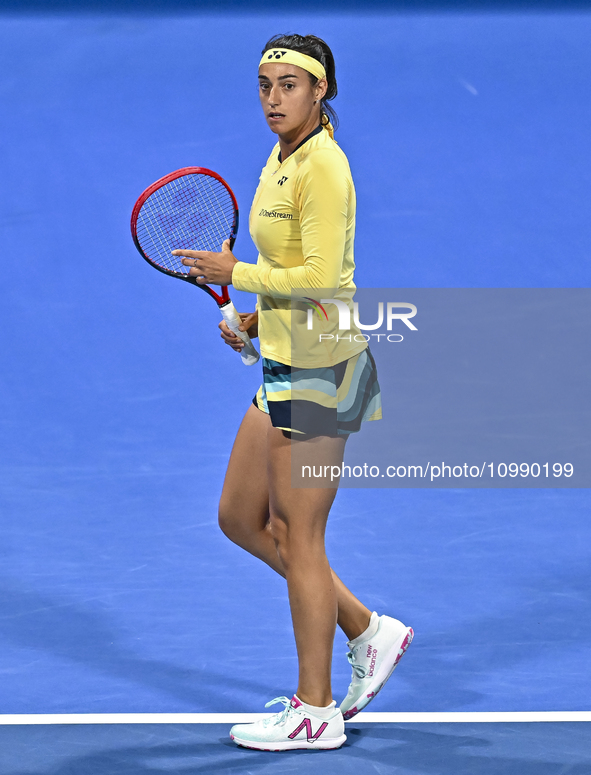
250 324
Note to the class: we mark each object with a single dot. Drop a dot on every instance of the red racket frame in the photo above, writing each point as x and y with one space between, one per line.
224 298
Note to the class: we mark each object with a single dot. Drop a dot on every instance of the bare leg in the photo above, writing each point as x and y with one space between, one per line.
298 523
244 513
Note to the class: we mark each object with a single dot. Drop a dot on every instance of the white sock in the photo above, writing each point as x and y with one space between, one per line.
374 623
320 712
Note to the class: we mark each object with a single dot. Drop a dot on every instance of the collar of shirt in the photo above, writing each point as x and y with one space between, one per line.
305 140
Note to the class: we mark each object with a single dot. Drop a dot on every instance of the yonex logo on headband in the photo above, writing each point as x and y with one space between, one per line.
291 57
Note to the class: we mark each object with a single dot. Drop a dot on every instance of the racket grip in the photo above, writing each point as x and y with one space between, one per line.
248 353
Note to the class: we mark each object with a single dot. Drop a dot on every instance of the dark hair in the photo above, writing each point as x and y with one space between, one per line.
319 50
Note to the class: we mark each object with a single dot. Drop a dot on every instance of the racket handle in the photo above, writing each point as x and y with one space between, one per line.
248 353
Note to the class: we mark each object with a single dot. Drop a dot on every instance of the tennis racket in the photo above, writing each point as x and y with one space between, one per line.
190 209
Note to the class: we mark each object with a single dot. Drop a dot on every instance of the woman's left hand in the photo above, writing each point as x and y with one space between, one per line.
207 267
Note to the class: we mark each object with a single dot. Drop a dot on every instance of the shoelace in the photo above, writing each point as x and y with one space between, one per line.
281 717
359 670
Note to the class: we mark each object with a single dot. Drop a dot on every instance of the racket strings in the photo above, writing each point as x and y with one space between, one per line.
192 212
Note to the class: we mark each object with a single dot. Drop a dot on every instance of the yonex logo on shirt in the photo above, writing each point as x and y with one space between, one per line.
281 181
275 214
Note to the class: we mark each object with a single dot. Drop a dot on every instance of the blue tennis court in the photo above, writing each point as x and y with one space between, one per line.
486 749
467 133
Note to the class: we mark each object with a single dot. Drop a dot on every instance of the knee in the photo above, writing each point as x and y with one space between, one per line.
241 526
296 543
228 521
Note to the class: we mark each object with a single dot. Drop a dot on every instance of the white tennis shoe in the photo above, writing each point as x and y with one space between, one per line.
373 661
292 728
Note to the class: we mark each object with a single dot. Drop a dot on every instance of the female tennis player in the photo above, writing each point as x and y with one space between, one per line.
302 221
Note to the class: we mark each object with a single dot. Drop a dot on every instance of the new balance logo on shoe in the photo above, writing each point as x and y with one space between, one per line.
373 653
307 725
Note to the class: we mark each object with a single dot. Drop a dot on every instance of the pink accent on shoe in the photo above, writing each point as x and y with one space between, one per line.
295 703
404 645
307 725
350 713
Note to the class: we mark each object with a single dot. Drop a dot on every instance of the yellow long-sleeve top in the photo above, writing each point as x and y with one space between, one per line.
302 221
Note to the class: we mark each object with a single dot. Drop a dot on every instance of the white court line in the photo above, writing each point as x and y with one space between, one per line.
241 718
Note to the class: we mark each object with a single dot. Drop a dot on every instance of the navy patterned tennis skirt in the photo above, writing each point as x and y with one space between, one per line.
327 401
